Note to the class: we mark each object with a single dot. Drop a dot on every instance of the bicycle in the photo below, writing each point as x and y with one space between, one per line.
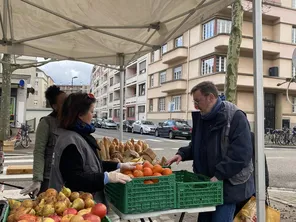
22 137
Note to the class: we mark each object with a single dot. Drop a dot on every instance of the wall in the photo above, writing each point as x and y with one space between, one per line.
37 113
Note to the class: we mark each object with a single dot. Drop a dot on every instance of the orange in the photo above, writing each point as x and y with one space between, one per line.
147 171
167 171
148 182
147 164
139 167
157 174
138 173
127 172
157 169
131 175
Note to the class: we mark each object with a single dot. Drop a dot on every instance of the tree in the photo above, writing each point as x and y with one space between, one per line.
233 52
8 68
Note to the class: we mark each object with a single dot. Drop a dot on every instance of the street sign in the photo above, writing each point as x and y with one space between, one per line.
294 58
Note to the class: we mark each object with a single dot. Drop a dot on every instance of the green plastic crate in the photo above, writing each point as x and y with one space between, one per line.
195 190
137 197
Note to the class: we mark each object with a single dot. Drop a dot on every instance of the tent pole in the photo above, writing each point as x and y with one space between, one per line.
259 110
5 18
122 71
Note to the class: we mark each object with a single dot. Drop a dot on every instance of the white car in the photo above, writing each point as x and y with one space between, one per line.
143 126
109 124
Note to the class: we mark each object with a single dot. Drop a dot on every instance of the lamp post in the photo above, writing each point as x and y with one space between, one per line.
74 77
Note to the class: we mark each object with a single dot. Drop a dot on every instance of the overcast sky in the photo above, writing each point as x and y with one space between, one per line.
63 71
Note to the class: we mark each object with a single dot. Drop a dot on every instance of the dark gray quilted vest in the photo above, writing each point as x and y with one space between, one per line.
246 173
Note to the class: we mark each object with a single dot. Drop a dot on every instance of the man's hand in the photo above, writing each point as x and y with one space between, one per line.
177 158
214 179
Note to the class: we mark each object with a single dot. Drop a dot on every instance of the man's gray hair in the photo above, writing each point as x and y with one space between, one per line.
206 88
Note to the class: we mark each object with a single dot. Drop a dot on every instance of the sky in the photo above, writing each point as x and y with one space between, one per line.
63 71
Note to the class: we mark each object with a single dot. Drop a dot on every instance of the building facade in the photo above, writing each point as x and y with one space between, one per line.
105 85
200 55
68 89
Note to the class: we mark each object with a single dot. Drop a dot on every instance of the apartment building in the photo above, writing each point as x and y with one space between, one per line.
105 85
40 85
200 55
68 89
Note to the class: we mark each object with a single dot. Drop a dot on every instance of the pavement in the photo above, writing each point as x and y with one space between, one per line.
281 163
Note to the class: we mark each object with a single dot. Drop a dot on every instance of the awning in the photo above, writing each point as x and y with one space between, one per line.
97 31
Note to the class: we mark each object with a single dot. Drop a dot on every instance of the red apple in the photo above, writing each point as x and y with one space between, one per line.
99 210
70 211
92 218
28 217
56 218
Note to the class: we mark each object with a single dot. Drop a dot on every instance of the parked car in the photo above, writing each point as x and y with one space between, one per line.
143 126
98 123
128 125
109 124
174 128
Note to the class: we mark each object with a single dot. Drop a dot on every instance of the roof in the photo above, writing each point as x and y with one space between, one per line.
98 31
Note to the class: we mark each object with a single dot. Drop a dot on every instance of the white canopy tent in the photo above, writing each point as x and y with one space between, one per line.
114 32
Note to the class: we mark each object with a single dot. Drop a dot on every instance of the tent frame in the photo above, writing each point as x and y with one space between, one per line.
258 69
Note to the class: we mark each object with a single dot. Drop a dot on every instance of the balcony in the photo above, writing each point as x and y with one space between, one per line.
131 81
174 86
175 55
141 99
116 86
131 100
116 102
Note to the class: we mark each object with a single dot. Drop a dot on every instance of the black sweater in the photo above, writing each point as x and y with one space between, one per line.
71 168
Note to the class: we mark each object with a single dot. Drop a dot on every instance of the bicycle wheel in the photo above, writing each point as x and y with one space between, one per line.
266 139
25 141
293 140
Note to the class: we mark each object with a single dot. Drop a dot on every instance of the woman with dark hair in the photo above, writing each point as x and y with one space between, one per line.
46 137
76 163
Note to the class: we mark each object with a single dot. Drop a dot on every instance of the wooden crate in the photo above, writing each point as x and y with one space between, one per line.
19 169
8 145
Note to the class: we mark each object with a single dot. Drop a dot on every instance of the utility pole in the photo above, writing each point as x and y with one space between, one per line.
74 77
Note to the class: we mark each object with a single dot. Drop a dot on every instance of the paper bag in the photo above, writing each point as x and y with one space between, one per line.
248 213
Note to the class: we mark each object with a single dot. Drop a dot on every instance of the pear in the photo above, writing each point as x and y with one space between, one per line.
13 204
50 199
27 203
89 203
32 212
60 207
21 211
48 210
68 202
10 218
74 195
66 191
41 196
61 196
51 192
78 204
85 196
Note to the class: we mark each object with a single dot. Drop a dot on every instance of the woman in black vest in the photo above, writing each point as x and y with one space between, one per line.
46 136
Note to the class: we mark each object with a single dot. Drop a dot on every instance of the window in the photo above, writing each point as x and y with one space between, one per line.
142 67
162 77
152 56
35 102
116 113
214 27
208 30
142 89
130 111
111 97
294 107
36 82
177 103
141 109
223 26
150 105
111 81
179 42
164 49
110 113
293 3
161 104
294 35
152 80
177 73
213 64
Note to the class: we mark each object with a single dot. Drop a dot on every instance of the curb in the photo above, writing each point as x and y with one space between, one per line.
279 147
282 202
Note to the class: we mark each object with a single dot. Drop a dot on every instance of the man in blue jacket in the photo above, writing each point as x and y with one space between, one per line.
233 164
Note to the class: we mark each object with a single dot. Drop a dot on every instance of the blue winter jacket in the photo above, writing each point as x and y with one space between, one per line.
205 151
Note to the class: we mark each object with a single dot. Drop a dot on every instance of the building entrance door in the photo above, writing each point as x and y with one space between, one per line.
269 111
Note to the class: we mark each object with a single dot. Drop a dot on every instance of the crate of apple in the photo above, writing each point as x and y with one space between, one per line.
51 206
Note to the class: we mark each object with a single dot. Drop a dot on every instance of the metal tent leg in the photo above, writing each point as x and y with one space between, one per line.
122 71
